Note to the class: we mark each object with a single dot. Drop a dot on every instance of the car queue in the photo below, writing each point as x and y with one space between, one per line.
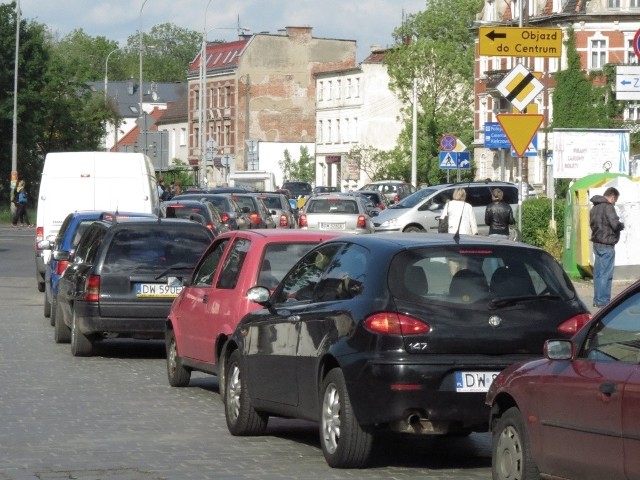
364 335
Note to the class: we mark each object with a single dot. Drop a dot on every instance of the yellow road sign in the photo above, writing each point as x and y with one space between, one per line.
520 87
520 42
520 128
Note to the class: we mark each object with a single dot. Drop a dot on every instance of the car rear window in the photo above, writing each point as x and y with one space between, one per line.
475 274
157 248
272 202
331 205
184 211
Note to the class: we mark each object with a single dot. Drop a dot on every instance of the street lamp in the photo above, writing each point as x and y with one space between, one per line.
14 142
201 99
140 112
106 76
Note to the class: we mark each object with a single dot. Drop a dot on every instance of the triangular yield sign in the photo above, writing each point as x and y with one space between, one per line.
520 128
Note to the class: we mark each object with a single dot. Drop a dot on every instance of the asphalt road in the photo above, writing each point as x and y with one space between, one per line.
115 417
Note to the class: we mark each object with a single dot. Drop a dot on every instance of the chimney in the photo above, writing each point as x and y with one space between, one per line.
299 33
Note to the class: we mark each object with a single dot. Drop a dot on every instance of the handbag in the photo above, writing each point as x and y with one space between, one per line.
443 221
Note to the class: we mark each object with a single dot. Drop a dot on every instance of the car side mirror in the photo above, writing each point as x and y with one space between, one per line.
259 295
374 213
558 349
60 255
45 244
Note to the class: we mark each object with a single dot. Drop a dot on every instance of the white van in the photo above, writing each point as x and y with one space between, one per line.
74 181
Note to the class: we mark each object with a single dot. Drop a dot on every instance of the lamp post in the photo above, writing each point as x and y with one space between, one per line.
14 142
201 99
141 112
106 74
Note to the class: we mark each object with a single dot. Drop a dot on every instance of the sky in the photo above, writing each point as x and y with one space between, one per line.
369 22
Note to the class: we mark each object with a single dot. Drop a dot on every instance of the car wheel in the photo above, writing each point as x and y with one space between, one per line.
242 418
511 455
177 374
54 308
47 304
61 333
41 286
413 229
345 443
81 345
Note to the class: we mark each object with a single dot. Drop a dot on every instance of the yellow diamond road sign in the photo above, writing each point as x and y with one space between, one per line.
520 42
520 87
520 128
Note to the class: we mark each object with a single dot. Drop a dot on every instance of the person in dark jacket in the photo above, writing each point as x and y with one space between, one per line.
605 233
498 215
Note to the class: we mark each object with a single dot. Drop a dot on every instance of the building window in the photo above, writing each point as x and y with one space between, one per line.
634 3
613 3
491 11
328 131
348 93
196 139
631 54
633 112
320 88
338 139
227 97
553 65
183 137
338 86
218 134
598 53
319 134
329 87
355 130
347 132
227 134
219 97
356 88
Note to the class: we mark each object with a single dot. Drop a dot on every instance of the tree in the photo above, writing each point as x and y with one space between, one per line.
436 47
304 169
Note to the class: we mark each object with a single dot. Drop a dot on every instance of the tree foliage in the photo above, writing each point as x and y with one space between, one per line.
303 169
436 47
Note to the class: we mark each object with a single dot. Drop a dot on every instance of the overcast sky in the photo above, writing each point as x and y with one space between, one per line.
369 22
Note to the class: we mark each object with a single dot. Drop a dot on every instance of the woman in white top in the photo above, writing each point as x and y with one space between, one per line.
456 208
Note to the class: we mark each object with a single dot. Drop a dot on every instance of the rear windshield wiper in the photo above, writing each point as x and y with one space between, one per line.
174 267
504 301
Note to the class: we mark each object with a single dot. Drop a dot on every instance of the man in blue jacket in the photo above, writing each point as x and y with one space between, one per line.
605 233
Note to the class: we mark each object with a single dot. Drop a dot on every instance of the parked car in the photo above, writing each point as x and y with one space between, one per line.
420 211
257 212
230 212
63 249
297 189
207 310
394 190
574 414
379 200
280 209
336 211
123 278
368 333
202 211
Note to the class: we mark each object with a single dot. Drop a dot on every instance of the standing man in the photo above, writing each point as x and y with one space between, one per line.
498 215
605 233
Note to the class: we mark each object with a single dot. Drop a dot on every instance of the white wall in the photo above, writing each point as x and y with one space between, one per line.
270 153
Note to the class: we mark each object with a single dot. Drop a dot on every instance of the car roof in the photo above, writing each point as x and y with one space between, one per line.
283 234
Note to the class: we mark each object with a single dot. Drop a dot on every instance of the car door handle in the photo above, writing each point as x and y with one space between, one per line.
205 298
607 389
293 318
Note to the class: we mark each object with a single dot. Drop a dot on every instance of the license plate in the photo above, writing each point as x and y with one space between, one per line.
332 226
157 290
474 381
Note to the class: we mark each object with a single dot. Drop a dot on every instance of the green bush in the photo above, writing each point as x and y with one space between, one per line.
536 229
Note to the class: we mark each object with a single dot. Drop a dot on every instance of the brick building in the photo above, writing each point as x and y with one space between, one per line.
604 32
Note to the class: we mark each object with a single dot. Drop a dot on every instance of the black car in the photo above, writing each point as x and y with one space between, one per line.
230 212
255 209
281 211
297 189
394 332
202 211
123 278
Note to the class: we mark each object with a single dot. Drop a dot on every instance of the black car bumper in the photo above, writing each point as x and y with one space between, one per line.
91 323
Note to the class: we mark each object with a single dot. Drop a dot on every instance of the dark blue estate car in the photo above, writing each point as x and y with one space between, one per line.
64 247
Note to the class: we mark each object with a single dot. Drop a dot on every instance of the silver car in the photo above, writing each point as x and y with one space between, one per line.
420 211
336 211
280 209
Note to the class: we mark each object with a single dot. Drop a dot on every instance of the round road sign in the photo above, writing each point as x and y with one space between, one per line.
448 143
636 40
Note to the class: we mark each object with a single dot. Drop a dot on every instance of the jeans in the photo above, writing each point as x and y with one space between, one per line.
603 273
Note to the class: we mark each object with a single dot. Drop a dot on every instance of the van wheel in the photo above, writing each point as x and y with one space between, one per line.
413 229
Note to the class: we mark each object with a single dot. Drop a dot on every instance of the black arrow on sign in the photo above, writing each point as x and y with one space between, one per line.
493 35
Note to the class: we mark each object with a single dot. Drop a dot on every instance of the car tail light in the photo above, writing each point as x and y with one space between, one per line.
225 217
302 221
92 288
362 222
284 221
210 226
393 323
254 218
574 324
39 236
61 266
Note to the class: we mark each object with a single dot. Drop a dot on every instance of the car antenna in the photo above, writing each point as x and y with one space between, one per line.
456 236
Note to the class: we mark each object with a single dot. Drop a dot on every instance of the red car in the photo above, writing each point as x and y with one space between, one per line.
208 308
574 414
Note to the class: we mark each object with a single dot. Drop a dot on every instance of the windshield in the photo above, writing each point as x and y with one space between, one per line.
415 198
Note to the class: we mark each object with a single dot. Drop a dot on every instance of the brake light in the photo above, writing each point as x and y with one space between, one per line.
254 218
61 266
210 226
92 288
392 323
302 221
574 324
225 217
362 221
39 236
284 221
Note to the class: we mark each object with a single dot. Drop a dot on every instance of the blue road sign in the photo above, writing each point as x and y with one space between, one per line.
494 136
454 160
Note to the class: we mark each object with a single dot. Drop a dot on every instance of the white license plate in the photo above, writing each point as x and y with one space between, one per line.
474 381
157 290
332 226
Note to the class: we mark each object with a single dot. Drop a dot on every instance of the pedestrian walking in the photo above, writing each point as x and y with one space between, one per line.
21 216
460 213
605 234
498 215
